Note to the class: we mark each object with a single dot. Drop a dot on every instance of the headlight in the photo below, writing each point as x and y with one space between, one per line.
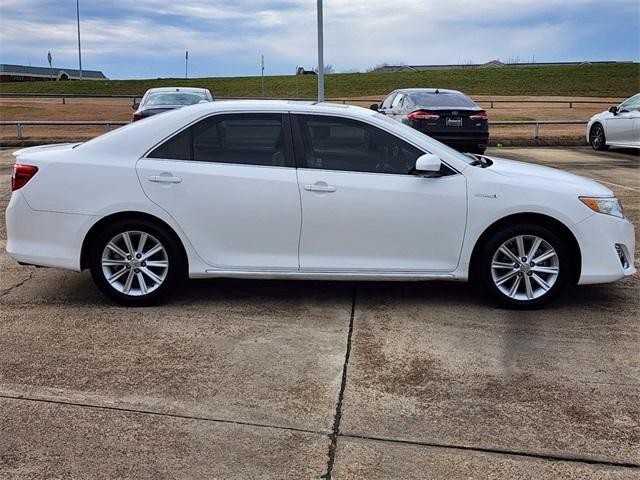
608 206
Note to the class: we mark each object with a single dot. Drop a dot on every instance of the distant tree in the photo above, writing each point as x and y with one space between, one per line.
386 64
513 60
327 69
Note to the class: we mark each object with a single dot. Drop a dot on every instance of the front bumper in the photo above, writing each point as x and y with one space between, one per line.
598 236
47 239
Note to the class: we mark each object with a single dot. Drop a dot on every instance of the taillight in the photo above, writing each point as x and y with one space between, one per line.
21 175
481 115
423 115
137 116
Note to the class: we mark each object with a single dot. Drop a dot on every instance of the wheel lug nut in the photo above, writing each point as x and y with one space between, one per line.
524 259
529 273
519 274
137 271
128 267
138 256
128 257
144 264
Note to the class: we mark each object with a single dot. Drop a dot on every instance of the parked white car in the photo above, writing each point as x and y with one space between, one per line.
617 127
307 191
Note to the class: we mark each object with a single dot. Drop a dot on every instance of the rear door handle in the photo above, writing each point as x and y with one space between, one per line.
164 179
320 187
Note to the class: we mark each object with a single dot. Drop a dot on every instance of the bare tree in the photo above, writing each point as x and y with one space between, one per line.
513 60
327 69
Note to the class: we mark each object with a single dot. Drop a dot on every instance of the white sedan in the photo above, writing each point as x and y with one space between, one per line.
307 191
617 127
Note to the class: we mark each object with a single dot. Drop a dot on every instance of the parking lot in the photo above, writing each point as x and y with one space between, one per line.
249 379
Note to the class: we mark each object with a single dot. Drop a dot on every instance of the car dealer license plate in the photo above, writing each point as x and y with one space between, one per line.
454 122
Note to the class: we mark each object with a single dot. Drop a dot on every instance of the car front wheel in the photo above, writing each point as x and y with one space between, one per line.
524 267
597 137
135 263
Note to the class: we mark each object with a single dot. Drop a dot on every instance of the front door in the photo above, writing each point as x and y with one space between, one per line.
230 183
364 211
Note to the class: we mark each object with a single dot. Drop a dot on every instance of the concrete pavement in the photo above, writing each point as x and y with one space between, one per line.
244 379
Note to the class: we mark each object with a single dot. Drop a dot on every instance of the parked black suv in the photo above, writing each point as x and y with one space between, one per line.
446 115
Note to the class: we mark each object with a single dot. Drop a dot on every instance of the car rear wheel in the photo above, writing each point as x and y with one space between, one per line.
524 267
597 137
135 263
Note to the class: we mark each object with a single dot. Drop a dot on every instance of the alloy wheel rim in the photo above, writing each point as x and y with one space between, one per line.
135 263
596 136
525 267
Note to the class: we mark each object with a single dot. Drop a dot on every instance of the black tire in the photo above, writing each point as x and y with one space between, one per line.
169 274
597 138
488 276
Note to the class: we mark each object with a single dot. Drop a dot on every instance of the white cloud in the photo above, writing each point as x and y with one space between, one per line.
358 33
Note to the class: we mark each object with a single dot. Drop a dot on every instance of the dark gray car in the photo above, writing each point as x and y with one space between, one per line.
446 115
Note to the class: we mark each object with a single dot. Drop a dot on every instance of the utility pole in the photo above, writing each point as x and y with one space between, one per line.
49 59
320 55
79 50
262 72
186 64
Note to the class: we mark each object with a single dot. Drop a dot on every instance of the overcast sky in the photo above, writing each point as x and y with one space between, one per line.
148 38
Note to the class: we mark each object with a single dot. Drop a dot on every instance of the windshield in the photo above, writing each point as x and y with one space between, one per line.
174 98
428 99
439 145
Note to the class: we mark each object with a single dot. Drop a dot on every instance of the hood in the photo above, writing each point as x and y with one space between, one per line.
602 115
548 178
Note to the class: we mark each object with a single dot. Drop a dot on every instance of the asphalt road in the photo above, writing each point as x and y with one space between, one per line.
247 379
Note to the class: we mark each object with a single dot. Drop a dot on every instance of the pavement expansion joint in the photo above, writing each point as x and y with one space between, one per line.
338 415
159 414
6 291
502 451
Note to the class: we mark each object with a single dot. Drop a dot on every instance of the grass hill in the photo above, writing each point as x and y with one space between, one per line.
603 80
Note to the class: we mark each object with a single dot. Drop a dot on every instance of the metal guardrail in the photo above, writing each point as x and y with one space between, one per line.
19 124
536 124
343 100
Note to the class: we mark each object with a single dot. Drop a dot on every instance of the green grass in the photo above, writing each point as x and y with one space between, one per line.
612 80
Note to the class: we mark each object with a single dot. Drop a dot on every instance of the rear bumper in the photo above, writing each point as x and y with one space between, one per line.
47 239
598 236
461 139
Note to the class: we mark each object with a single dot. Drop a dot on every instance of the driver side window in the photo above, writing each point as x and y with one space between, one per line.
332 143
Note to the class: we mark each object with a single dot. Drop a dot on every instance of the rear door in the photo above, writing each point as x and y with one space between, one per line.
229 181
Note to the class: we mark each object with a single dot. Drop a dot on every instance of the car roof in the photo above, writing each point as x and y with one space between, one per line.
177 89
428 90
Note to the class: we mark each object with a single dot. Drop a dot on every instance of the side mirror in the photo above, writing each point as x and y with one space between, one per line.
374 107
427 164
135 106
614 110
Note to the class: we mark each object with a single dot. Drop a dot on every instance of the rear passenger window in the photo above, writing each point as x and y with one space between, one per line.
247 139
177 147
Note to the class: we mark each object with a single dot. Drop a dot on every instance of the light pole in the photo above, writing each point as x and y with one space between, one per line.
320 55
186 64
262 72
79 50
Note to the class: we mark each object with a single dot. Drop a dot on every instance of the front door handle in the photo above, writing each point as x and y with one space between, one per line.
164 178
320 187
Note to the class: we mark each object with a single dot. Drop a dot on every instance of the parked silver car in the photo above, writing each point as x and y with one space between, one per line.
158 100
617 127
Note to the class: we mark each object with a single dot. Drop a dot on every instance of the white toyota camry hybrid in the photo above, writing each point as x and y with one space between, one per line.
261 189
